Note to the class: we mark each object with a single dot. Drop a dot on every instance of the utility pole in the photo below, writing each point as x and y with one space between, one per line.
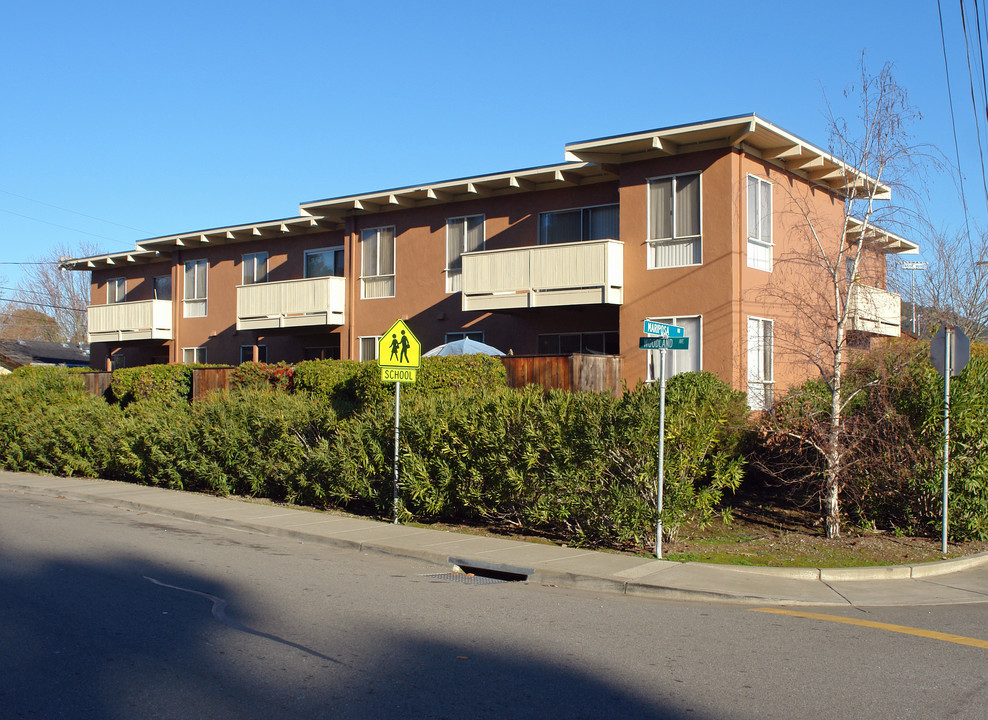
914 266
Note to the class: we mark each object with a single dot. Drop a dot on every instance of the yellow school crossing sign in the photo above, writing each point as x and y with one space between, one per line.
399 354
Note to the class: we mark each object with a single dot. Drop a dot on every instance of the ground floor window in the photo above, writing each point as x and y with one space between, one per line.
592 343
760 371
678 361
247 353
327 352
117 361
193 355
368 347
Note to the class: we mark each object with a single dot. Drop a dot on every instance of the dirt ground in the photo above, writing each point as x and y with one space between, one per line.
778 537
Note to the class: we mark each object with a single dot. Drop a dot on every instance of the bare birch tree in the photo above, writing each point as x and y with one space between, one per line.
50 292
833 264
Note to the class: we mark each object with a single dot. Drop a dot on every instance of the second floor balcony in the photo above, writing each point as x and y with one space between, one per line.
311 302
874 310
578 273
140 320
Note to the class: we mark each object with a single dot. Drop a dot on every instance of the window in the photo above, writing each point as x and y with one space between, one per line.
592 343
678 361
463 235
674 237
326 352
255 268
161 287
377 263
117 361
760 378
477 335
195 288
759 223
591 223
116 290
193 355
368 347
247 353
324 262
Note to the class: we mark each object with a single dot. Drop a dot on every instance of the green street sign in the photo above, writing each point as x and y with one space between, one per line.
663 343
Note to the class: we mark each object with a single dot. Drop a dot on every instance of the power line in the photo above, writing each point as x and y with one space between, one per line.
74 212
974 102
44 305
953 123
64 227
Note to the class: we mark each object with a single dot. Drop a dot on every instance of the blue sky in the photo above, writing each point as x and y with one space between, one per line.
126 120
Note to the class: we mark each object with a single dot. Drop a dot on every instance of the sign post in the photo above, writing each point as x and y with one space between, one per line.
399 354
670 337
950 351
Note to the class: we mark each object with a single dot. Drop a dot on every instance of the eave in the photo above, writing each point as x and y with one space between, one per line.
748 133
462 189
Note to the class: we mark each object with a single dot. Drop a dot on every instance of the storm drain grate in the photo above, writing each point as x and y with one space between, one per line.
464 578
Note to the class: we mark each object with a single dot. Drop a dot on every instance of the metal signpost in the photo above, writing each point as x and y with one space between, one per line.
399 354
950 351
670 337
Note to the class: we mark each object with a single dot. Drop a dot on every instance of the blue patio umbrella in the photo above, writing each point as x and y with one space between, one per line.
463 347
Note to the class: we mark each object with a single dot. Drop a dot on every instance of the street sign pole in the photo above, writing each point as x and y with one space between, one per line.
948 368
660 477
397 415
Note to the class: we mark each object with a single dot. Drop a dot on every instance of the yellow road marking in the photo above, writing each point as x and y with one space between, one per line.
932 634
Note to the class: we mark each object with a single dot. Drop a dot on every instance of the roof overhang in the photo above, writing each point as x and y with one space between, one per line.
748 133
886 241
158 249
548 177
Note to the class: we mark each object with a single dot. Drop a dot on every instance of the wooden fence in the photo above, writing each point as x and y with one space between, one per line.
206 380
98 383
597 373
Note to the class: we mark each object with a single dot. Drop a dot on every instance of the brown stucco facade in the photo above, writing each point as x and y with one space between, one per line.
718 295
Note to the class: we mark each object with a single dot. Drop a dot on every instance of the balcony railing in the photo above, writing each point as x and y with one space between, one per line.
580 273
141 320
874 311
292 303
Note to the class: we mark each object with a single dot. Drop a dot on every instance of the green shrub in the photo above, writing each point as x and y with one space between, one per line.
49 423
262 375
260 442
460 372
160 382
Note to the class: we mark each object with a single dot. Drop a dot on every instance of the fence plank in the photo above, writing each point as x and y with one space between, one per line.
595 373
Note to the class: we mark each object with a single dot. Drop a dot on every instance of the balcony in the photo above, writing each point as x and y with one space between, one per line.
312 302
580 273
120 322
874 311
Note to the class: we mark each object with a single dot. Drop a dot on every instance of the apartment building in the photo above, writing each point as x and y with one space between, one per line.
684 224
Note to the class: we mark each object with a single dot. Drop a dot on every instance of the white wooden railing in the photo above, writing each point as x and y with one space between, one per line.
292 303
874 310
581 273
140 320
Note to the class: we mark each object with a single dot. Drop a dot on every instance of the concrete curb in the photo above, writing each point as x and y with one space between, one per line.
548 565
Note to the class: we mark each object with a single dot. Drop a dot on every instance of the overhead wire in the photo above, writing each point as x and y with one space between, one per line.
74 212
953 124
974 102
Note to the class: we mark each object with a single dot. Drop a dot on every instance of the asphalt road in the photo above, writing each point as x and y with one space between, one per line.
111 613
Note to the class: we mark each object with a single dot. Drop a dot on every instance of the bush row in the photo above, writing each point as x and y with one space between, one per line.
580 465
894 442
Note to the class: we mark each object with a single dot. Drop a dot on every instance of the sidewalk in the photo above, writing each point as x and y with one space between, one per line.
949 582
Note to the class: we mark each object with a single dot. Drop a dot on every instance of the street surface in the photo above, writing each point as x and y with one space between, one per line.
113 613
